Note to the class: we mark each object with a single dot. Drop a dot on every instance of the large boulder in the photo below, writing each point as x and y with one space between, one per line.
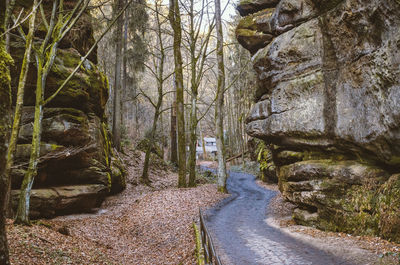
59 200
78 166
328 98
246 7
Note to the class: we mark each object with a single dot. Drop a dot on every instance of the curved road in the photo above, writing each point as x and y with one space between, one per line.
238 225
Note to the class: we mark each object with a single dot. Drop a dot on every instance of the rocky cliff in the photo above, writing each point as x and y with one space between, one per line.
328 102
78 166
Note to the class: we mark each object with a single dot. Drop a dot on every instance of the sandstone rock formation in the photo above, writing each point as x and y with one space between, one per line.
328 99
78 166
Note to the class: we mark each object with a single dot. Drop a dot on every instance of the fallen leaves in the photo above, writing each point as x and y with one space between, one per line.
142 225
38 244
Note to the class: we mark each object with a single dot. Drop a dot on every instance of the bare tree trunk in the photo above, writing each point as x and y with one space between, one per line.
124 71
194 93
5 122
174 147
175 20
20 100
203 144
229 111
136 116
145 174
116 126
193 140
219 108
9 9
157 106
163 140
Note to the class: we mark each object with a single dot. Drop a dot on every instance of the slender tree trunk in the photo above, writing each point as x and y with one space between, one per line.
175 19
9 9
203 145
145 174
136 117
193 116
229 111
22 216
20 100
194 93
44 62
124 69
116 126
5 122
160 81
163 140
193 140
219 108
174 147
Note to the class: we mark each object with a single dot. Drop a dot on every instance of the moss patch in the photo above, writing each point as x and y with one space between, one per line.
369 209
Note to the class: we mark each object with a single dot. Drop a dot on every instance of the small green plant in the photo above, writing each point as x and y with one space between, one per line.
206 176
264 157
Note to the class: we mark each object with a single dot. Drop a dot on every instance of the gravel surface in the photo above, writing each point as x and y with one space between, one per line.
243 236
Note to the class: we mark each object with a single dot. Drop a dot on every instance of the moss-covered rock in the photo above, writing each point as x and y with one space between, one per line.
286 157
49 202
388 205
23 151
86 91
246 7
144 144
343 196
118 173
266 163
252 40
64 126
254 31
78 166
260 21
328 99
5 122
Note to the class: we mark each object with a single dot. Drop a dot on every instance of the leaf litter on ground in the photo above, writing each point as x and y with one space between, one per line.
141 225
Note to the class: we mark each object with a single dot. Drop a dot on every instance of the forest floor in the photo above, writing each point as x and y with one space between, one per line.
141 225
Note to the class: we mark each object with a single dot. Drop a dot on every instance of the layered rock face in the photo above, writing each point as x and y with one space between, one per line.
78 166
328 100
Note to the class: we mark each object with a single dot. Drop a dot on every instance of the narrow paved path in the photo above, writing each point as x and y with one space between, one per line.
239 227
